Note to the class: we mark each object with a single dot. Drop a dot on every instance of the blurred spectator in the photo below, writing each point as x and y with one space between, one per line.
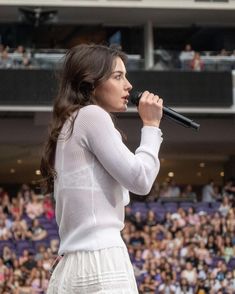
225 206
187 53
34 207
48 207
189 193
228 250
19 228
29 265
5 233
147 286
190 274
137 241
184 287
168 286
196 63
5 60
16 208
208 193
8 256
174 190
223 52
36 231
229 188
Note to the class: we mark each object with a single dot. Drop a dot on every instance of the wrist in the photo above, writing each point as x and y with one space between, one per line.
152 124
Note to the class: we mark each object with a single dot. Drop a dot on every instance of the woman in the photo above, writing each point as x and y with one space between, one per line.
90 170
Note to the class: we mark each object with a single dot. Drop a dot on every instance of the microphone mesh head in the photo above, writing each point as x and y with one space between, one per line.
135 97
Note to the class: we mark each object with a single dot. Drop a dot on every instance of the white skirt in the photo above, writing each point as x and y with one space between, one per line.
105 271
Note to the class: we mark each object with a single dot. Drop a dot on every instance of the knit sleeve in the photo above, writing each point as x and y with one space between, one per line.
136 172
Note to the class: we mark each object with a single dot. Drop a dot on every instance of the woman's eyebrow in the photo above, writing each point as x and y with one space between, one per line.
119 71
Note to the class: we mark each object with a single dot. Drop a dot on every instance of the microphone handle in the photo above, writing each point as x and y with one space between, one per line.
169 113
179 118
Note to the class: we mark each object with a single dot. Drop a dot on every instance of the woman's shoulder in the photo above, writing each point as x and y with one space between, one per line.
93 113
93 108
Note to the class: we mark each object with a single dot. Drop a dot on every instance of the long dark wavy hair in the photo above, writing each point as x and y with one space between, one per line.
84 68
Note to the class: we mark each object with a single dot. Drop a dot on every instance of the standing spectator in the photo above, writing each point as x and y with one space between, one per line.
208 193
189 193
196 63
5 60
186 56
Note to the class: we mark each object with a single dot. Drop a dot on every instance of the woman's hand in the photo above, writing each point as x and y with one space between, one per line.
150 109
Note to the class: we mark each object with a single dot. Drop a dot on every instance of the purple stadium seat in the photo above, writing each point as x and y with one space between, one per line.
139 205
52 234
21 245
215 205
231 263
44 242
171 207
8 243
186 205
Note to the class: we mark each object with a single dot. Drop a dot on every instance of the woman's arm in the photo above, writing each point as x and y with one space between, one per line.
136 172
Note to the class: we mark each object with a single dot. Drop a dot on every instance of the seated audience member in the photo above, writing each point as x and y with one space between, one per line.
190 274
24 257
137 241
48 207
6 204
225 206
147 286
184 287
151 219
8 256
228 250
19 228
16 208
34 207
28 265
36 231
138 220
5 233
168 286
192 217
3 269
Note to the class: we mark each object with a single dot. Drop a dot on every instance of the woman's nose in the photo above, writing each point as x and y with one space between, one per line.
128 85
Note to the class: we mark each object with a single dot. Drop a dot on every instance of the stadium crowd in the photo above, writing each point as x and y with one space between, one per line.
188 59
182 246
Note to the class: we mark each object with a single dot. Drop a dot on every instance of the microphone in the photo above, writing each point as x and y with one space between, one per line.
169 113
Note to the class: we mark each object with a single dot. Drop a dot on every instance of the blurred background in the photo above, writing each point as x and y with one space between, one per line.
184 51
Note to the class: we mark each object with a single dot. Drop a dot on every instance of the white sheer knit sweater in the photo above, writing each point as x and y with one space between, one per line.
95 170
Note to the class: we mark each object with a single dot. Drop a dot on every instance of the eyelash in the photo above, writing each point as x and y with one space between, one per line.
118 77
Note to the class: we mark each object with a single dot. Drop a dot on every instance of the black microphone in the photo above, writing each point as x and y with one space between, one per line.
168 112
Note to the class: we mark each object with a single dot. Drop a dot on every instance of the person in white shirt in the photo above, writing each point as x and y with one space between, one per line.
90 170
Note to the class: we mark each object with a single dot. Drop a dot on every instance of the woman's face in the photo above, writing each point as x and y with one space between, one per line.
112 94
